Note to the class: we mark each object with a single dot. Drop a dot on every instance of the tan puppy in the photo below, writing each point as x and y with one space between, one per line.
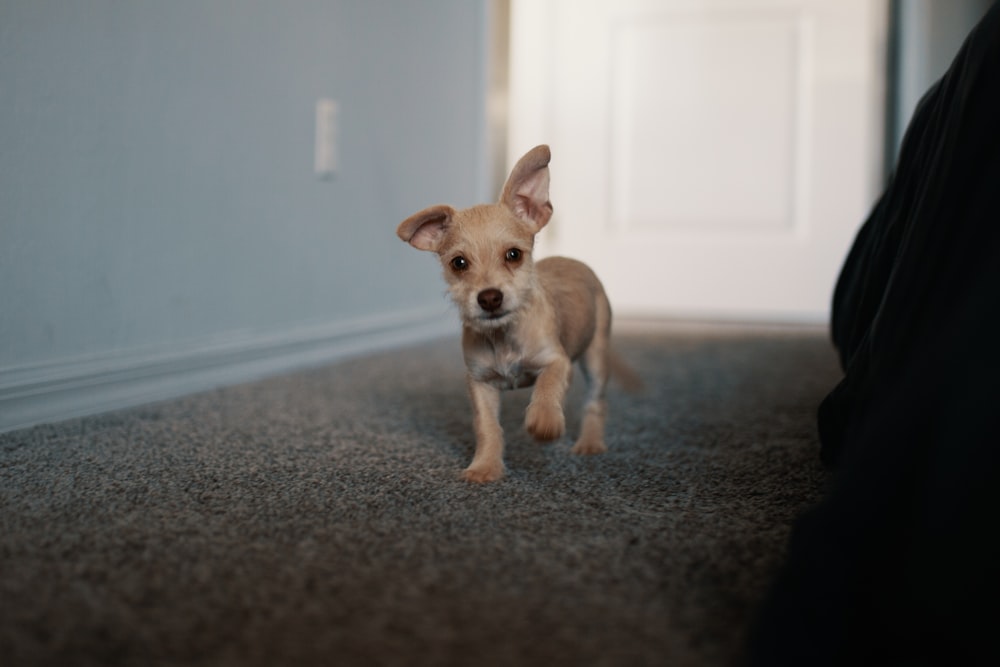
524 323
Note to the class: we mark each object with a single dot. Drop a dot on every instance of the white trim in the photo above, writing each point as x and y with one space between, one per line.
658 325
53 391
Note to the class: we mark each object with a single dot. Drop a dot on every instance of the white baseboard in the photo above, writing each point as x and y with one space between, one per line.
54 391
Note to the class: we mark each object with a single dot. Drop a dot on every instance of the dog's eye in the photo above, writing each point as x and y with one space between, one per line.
460 263
513 255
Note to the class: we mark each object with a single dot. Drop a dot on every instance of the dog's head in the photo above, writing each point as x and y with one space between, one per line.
486 250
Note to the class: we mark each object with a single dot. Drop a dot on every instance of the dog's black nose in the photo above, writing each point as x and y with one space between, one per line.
490 299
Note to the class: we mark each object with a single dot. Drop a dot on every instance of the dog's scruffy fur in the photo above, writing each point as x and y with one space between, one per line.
523 323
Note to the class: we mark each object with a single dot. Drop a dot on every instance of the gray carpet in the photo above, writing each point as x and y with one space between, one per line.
318 518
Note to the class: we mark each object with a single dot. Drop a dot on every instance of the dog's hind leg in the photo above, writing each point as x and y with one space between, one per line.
596 366
595 410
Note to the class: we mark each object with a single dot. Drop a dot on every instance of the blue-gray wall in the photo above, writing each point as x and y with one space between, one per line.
157 194
929 35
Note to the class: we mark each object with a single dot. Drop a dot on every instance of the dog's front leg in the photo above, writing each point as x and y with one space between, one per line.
487 463
544 419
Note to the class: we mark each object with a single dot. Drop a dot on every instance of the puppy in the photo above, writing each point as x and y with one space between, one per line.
523 323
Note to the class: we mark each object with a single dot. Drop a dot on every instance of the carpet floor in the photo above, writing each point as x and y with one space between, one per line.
319 518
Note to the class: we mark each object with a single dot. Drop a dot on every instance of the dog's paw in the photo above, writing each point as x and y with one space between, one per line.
589 446
481 472
545 422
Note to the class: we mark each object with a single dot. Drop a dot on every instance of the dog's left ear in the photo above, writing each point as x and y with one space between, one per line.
527 190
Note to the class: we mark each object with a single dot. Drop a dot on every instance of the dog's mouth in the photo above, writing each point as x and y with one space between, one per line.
494 319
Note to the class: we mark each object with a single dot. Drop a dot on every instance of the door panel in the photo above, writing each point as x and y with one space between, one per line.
710 158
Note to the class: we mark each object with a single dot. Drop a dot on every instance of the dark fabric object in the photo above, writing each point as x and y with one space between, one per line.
900 564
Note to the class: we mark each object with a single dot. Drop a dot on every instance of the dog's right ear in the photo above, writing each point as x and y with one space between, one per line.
424 230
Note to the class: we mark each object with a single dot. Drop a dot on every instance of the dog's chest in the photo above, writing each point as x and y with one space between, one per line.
503 367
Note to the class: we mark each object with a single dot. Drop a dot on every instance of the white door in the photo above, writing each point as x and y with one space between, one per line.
711 158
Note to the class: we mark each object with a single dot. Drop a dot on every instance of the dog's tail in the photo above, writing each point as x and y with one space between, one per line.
625 375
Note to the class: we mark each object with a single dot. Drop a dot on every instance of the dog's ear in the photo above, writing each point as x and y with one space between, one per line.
527 190
424 230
